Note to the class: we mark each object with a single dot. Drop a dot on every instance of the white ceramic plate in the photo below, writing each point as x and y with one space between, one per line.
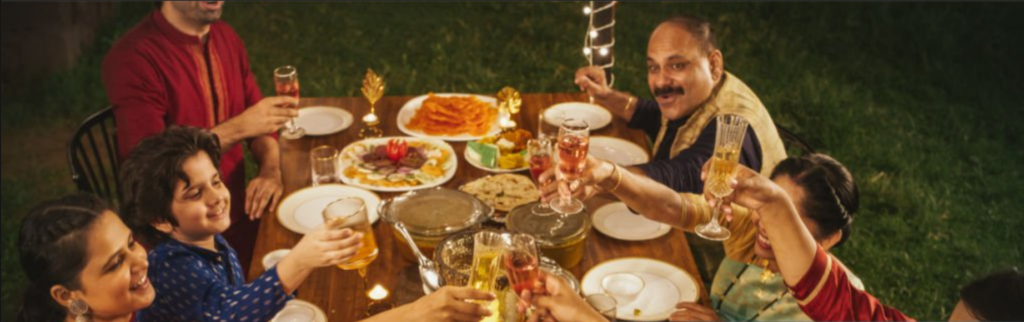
616 221
476 163
409 110
302 211
596 116
618 151
665 286
347 155
323 120
319 315
272 258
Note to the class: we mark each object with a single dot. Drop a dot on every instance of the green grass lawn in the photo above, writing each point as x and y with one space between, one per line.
920 101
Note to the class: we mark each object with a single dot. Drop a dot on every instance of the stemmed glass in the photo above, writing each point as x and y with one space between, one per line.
728 143
487 249
522 265
540 153
286 83
573 145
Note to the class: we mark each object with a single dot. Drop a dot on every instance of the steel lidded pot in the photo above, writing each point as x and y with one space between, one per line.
431 215
561 236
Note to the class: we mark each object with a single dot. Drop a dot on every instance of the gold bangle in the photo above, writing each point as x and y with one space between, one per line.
629 104
618 177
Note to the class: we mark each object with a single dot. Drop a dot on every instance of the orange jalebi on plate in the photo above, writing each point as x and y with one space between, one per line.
453 115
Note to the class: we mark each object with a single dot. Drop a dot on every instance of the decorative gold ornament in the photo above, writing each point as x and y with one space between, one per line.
373 90
509 103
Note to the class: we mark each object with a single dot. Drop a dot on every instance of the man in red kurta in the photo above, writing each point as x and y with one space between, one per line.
182 66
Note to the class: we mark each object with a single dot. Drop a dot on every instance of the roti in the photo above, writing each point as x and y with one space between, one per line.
503 192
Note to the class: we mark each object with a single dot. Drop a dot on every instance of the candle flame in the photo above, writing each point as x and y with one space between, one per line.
377 293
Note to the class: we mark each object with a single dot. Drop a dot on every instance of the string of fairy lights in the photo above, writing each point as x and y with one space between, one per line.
590 39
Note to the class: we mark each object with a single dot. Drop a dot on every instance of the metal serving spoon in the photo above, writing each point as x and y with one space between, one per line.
428 272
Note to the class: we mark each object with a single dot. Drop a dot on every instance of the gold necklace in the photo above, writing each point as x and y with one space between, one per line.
766 274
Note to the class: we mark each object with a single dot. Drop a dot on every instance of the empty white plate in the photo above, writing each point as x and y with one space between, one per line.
272 258
293 311
617 151
616 221
302 211
596 116
323 120
665 285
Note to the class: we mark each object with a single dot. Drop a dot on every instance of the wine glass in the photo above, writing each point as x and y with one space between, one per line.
286 83
350 212
522 264
573 145
728 143
540 153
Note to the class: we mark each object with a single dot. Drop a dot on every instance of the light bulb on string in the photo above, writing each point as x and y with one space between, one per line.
603 52
587 51
587 10
593 34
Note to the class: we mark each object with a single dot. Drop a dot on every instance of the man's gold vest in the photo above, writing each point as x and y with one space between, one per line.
732 97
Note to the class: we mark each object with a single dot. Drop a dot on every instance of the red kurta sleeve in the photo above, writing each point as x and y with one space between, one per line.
252 89
253 94
137 95
826 294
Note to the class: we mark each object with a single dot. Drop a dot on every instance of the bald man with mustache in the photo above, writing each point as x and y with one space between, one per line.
685 72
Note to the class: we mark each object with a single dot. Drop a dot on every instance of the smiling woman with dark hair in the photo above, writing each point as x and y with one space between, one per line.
823 287
82 263
747 285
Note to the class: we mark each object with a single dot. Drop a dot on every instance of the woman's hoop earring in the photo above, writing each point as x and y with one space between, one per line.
79 308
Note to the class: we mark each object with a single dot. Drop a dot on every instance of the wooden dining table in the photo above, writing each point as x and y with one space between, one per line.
342 294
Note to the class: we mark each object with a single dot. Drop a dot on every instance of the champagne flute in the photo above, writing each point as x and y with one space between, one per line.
728 143
286 83
350 212
573 145
522 265
487 249
539 152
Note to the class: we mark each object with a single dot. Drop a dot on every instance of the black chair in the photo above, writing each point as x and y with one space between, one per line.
92 156
792 141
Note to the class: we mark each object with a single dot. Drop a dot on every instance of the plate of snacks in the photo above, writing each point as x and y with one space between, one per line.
450 117
503 192
501 153
397 164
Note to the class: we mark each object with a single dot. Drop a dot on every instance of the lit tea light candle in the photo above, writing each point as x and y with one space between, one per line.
377 304
507 124
377 293
370 118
